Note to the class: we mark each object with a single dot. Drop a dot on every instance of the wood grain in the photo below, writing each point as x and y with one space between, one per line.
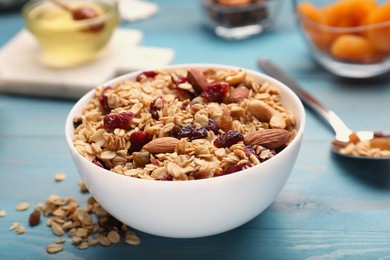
330 208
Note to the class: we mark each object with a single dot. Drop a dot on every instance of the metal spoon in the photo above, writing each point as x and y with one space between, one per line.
343 133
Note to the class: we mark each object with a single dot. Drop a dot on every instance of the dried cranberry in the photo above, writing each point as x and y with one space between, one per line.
156 105
138 140
212 126
166 177
228 139
97 162
121 120
104 101
190 132
147 74
236 168
215 91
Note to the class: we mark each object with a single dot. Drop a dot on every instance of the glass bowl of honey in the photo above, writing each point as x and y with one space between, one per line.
71 33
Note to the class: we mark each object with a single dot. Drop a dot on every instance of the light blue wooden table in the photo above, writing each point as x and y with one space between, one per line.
330 208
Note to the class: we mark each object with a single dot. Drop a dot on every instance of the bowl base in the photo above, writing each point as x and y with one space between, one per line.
238 33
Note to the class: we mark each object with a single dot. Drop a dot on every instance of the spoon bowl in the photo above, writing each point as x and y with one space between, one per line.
345 138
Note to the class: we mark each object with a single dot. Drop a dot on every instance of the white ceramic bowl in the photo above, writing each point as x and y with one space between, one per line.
188 209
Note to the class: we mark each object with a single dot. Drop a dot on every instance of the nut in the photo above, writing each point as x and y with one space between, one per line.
238 94
269 138
236 78
277 121
261 110
196 78
383 143
161 145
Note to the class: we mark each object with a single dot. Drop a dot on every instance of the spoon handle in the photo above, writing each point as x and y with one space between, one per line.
338 126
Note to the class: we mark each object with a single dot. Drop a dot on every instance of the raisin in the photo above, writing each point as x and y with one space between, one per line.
138 140
147 74
121 120
190 132
103 101
215 91
236 168
212 126
156 105
77 121
35 218
110 223
228 139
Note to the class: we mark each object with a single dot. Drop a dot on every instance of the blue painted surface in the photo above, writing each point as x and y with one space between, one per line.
331 208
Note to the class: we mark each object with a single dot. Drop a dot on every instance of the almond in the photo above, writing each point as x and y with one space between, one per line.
161 145
196 78
238 94
383 143
269 138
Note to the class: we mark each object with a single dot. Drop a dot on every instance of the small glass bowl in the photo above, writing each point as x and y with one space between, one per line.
361 51
240 20
64 41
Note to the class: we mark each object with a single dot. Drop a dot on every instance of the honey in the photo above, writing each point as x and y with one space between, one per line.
66 42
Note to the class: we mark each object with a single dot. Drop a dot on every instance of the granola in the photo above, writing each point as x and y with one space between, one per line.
183 124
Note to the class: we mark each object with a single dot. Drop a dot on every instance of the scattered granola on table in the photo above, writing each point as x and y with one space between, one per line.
183 124
86 226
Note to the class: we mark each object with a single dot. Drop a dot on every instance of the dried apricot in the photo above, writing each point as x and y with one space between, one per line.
337 15
311 11
361 9
313 15
354 48
380 36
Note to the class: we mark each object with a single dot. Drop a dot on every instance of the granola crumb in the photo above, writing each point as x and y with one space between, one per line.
59 177
3 213
22 206
131 238
83 187
20 230
14 226
60 240
54 248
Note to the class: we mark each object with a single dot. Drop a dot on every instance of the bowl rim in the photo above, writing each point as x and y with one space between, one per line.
334 29
69 130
